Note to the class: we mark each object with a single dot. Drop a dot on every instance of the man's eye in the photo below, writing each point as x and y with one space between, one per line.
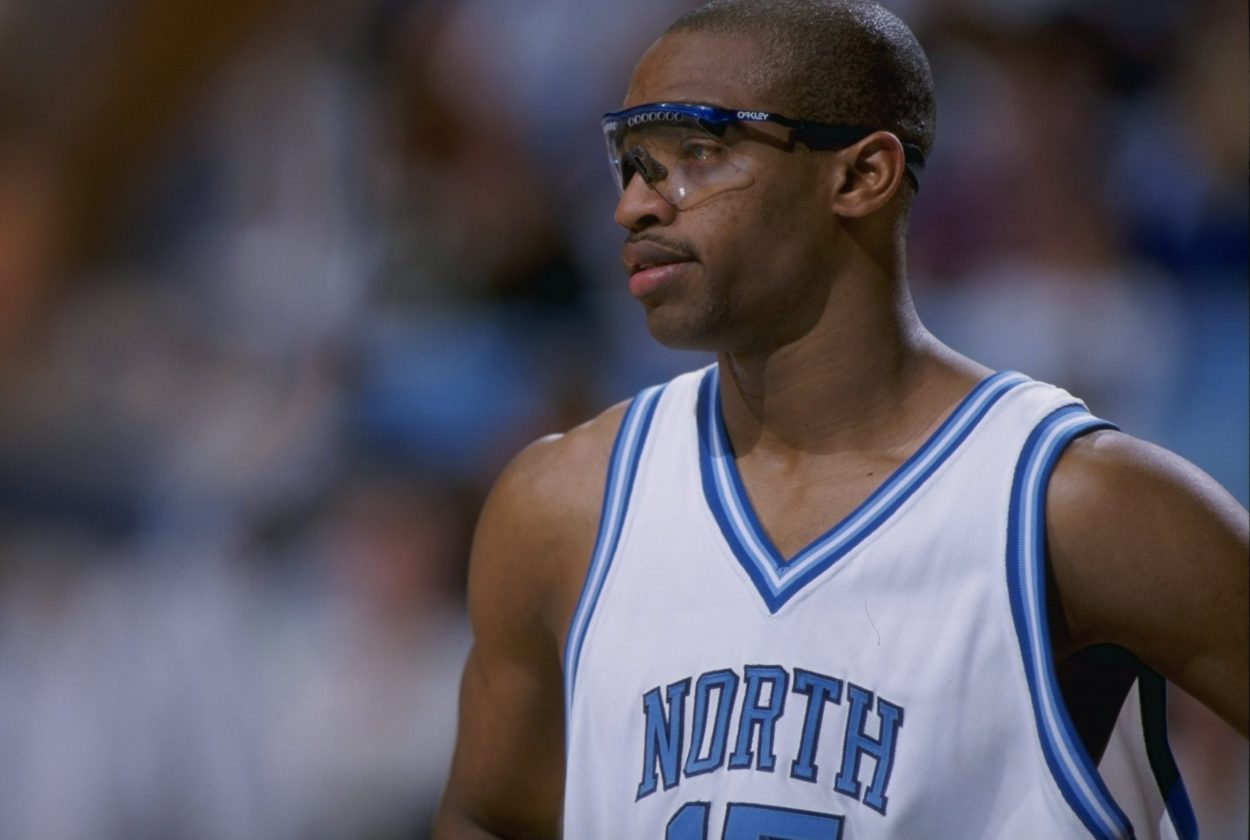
701 151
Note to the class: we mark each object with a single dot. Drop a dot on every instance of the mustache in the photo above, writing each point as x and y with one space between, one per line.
680 248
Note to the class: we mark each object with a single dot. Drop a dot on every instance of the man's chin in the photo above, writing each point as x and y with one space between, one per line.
680 333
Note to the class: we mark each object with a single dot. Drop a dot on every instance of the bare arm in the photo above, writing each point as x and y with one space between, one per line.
1150 553
530 551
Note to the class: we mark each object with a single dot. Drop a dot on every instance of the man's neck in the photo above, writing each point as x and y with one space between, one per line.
879 379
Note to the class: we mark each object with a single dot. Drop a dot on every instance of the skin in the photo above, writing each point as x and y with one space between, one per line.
829 382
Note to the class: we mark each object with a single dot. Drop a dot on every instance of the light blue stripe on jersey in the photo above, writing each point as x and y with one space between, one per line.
779 580
622 468
1069 763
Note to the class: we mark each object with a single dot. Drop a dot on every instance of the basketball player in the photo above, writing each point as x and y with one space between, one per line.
844 583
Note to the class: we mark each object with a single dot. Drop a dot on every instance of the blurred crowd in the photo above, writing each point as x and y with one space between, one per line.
283 286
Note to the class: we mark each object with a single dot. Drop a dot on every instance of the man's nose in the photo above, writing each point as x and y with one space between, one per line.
641 206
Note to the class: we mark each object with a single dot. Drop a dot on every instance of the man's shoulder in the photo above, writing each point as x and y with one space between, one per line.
1111 468
1127 521
563 469
567 470
540 519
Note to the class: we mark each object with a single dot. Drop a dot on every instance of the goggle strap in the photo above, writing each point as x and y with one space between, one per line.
822 136
819 136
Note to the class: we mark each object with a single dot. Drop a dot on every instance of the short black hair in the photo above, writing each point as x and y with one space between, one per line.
846 62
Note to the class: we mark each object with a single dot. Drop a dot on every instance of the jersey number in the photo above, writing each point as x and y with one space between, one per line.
754 822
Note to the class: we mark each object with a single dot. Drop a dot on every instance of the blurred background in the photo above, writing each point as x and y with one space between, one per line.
283 285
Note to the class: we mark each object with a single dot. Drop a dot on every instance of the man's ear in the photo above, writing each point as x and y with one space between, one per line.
870 173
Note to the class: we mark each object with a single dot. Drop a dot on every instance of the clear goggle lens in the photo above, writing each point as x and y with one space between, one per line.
684 159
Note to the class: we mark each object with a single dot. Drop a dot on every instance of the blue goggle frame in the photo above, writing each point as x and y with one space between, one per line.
814 135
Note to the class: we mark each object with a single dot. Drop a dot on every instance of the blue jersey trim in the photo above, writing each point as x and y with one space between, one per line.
618 486
1065 755
777 579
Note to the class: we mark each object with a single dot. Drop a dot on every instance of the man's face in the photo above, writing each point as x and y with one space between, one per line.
740 271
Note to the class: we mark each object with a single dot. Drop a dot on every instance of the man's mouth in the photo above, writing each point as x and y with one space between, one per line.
642 254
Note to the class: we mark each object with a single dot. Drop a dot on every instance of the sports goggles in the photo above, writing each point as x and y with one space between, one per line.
689 153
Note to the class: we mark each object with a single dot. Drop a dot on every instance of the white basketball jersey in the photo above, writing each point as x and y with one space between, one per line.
893 679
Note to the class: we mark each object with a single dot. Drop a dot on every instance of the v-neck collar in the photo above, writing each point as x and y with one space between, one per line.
778 579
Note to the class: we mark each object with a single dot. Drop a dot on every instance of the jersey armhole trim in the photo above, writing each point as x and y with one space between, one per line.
1069 763
618 486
